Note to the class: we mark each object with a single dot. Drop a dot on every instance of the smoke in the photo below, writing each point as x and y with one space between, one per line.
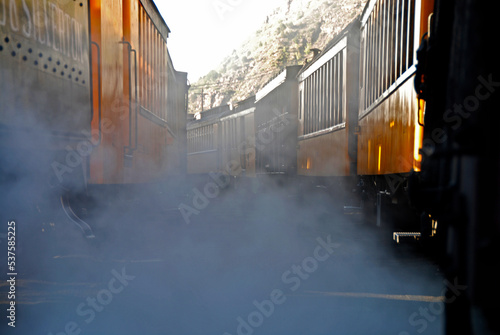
250 247
247 262
260 255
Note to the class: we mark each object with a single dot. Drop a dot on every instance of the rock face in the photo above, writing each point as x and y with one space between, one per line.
287 37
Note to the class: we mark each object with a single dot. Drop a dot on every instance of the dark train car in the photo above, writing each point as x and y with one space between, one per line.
223 141
203 141
237 140
459 184
328 109
276 124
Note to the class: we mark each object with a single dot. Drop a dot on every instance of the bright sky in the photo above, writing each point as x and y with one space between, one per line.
204 32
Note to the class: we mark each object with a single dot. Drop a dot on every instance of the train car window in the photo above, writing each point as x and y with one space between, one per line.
310 105
198 139
314 85
378 26
383 46
392 44
371 59
387 47
321 96
313 104
191 140
192 132
203 138
242 141
387 43
322 100
206 139
337 89
404 37
362 60
316 102
153 74
301 103
342 86
411 34
306 106
328 98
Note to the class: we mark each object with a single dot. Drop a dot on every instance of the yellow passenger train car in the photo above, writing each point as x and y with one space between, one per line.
328 109
390 134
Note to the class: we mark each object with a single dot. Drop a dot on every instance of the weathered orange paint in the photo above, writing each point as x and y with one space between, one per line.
396 143
390 133
106 25
324 155
157 109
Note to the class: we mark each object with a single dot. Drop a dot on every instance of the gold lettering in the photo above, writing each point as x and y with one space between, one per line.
27 25
4 19
62 39
67 22
34 9
47 30
14 20
54 12
79 41
38 22
74 29
46 22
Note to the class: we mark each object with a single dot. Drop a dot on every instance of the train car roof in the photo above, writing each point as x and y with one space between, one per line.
288 73
367 11
239 113
208 117
217 113
156 17
354 25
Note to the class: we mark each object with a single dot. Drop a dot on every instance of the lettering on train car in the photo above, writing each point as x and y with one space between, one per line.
46 23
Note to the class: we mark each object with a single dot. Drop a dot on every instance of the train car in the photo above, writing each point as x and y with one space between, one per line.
203 141
459 184
328 109
223 141
390 131
390 134
45 113
45 90
276 124
88 95
237 135
140 114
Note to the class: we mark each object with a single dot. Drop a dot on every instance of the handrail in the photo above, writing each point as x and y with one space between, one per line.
129 150
99 96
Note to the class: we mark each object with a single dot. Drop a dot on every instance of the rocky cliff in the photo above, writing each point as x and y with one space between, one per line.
287 37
